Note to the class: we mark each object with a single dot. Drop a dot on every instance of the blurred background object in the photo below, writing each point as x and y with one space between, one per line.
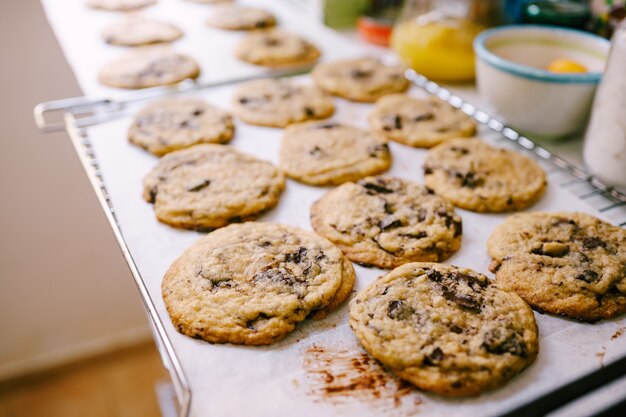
434 37
573 13
607 14
605 142
376 24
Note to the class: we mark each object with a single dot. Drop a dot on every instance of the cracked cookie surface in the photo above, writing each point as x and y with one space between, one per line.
209 186
252 283
280 102
176 123
571 264
136 32
276 48
148 67
386 222
363 79
326 153
419 122
445 329
232 17
478 177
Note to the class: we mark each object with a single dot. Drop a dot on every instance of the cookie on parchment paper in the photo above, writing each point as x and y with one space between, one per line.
171 124
386 222
252 283
119 5
363 79
276 48
233 17
209 186
445 329
280 102
148 67
571 264
419 122
138 32
327 153
211 2
478 177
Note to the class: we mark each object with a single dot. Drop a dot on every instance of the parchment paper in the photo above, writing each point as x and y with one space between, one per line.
320 369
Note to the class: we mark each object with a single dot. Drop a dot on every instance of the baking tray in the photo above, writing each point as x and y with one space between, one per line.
320 369
294 375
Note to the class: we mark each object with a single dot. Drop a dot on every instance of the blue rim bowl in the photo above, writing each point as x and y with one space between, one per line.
483 53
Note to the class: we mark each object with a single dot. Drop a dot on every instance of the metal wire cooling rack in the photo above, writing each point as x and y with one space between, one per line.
74 115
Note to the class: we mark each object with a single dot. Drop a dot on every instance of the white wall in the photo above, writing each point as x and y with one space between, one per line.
65 290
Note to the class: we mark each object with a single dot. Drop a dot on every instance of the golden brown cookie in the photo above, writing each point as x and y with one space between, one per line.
210 2
276 48
419 122
478 177
280 102
363 79
445 329
386 222
252 283
148 67
327 153
209 186
233 17
137 32
571 264
119 5
171 124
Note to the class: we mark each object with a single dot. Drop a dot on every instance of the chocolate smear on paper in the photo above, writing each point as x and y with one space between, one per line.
341 376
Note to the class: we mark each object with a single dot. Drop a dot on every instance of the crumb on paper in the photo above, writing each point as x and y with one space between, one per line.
620 331
341 376
600 354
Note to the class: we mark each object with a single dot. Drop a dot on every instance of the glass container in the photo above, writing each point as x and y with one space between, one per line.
434 37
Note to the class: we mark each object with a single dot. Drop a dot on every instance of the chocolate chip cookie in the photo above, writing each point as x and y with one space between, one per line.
280 102
173 123
445 329
478 177
148 67
232 17
571 264
209 186
252 283
136 32
419 122
386 222
364 79
119 5
326 153
276 48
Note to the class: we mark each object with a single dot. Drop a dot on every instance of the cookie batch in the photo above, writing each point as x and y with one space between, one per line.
445 329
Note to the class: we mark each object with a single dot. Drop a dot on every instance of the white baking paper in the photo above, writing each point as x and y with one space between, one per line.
319 369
